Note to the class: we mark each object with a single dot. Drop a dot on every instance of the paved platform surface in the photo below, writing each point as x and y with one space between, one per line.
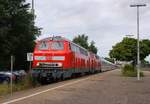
103 88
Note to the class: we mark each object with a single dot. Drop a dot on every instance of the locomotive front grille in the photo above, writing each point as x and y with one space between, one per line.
50 64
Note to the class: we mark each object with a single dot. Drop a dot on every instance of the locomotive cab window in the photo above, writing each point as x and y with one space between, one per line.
43 46
57 45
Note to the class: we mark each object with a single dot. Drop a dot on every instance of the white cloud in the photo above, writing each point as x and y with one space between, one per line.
104 21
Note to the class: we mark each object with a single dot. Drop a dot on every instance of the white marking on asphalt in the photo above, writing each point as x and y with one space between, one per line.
25 97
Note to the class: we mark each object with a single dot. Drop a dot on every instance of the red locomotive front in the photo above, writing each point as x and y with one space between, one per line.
52 58
51 54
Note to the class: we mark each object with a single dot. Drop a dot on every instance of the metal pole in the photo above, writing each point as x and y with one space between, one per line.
32 10
138 43
33 7
138 46
30 68
11 81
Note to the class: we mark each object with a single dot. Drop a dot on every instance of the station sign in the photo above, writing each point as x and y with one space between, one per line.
29 56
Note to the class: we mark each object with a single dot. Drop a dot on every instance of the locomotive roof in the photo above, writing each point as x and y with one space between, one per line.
60 38
57 38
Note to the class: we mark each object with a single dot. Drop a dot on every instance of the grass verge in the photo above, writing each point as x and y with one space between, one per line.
130 71
26 83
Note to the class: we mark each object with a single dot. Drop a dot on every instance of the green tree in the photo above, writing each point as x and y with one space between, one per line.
82 40
92 47
144 62
17 32
126 50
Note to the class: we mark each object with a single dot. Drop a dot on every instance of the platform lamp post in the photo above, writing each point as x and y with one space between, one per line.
138 45
32 9
11 79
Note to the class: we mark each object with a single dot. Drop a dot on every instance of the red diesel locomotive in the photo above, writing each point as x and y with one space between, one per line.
59 58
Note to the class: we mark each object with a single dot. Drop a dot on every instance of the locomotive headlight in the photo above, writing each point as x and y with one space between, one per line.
37 64
58 58
60 64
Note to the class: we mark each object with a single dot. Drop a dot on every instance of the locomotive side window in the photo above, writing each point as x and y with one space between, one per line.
97 57
43 46
84 52
75 48
57 46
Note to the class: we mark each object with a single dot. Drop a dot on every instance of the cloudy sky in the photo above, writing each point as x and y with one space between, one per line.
104 21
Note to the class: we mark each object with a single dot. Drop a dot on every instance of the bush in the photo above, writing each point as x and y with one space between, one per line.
130 71
27 83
